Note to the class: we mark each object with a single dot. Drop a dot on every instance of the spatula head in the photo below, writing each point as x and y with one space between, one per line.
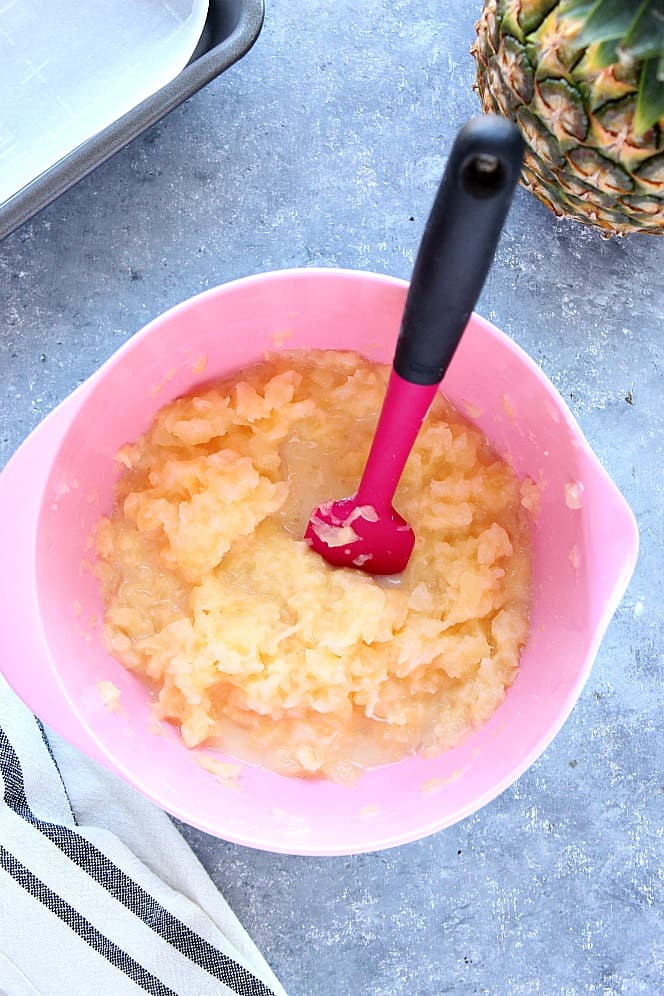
348 533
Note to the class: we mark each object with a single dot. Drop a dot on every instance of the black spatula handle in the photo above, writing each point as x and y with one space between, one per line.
458 246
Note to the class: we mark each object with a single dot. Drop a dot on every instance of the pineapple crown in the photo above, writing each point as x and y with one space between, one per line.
628 30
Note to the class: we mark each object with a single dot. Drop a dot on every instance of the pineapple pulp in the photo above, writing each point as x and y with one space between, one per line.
250 640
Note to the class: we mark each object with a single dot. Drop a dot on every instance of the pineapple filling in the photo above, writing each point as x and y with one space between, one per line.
250 641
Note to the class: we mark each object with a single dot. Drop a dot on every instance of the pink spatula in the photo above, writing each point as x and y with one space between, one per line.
454 257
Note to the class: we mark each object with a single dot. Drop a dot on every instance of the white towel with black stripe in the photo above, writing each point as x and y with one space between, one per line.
99 893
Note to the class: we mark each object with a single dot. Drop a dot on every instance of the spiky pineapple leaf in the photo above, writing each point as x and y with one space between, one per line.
602 54
610 19
638 25
645 37
580 8
650 99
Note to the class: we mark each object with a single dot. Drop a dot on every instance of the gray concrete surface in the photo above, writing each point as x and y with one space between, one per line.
324 146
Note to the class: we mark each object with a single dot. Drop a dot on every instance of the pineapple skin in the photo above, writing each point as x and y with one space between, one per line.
583 158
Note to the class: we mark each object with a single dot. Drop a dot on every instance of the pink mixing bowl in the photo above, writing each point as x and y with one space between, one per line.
61 480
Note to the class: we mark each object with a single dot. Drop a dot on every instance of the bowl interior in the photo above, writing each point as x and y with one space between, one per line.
583 558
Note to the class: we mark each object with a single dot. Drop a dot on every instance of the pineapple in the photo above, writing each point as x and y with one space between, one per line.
584 79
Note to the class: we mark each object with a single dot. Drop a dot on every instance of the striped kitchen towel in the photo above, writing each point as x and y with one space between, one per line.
99 893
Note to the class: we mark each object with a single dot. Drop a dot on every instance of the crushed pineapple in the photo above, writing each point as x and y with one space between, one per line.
251 641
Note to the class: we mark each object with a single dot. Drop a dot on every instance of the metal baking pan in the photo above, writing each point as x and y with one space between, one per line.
230 30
